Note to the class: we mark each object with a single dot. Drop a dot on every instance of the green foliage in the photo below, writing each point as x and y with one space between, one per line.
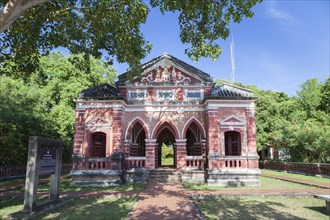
43 104
300 124
113 28
167 151
23 113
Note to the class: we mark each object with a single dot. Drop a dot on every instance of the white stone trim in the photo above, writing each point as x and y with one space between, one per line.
194 157
215 106
241 122
136 158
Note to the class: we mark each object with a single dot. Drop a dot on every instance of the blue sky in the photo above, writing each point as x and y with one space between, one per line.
283 45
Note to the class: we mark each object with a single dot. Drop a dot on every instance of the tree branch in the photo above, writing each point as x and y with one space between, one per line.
13 9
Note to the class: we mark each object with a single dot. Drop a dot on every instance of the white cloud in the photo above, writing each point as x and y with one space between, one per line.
283 17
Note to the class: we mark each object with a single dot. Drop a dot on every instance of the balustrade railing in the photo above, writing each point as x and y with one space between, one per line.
93 163
195 162
136 162
232 163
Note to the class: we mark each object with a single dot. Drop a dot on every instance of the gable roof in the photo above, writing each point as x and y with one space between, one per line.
228 91
103 91
199 73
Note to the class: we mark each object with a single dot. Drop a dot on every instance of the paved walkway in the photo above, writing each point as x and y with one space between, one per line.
165 202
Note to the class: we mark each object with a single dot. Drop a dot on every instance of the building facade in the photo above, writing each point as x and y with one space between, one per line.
120 131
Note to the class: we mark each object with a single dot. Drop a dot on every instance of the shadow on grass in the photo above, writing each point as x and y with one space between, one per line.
109 207
65 187
240 209
320 209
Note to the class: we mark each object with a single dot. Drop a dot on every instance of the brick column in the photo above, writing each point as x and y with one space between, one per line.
126 153
79 133
181 153
116 130
251 132
213 141
204 153
151 145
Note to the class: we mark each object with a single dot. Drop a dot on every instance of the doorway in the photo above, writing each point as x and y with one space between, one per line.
166 147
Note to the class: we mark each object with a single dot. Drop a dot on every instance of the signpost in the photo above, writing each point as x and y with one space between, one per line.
44 158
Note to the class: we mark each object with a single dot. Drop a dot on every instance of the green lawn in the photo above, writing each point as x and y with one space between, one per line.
269 207
65 187
167 161
266 183
109 207
298 176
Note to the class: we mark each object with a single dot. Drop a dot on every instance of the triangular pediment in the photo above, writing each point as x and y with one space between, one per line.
98 121
232 120
167 69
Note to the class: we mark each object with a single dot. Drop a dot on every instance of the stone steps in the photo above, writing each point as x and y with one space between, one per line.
168 176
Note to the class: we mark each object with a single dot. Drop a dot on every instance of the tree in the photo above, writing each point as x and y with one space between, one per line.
43 104
325 96
92 27
309 97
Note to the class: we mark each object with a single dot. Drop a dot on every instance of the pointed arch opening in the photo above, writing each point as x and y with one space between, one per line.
138 144
232 143
194 136
166 136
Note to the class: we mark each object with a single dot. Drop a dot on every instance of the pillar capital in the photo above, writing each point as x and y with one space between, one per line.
150 140
180 141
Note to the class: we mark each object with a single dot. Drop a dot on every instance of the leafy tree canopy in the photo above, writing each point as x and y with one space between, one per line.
43 104
34 27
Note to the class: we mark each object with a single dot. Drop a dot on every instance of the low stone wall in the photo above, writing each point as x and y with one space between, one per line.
194 176
96 177
322 169
233 177
11 171
136 175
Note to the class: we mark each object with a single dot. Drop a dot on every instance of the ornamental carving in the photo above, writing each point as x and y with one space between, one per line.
165 74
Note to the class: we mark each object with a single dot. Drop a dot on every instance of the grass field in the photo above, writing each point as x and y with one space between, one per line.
266 183
109 207
298 176
269 207
248 207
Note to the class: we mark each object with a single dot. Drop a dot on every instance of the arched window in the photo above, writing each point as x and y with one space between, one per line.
98 142
232 143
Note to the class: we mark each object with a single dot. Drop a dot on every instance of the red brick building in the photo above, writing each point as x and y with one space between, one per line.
120 131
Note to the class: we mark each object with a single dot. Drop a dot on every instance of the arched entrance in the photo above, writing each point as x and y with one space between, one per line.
166 150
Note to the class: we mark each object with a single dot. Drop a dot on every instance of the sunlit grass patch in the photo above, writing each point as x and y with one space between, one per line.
266 183
268 207
108 207
298 176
